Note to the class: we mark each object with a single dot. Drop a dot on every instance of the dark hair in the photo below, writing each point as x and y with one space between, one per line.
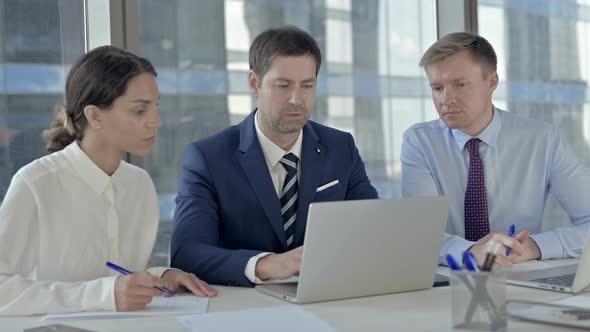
97 78
286 41
479 48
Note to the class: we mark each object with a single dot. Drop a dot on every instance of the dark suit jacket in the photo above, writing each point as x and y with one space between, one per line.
227 209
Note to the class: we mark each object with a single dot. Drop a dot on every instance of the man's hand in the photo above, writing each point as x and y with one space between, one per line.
177 279
134 291
522 248
279 266
531 250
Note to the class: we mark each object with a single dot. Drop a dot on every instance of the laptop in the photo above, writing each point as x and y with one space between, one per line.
568 278
367 247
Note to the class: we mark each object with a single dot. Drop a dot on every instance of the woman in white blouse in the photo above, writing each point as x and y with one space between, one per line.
68 213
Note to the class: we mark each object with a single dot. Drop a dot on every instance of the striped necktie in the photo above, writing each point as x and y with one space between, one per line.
289 196
477 224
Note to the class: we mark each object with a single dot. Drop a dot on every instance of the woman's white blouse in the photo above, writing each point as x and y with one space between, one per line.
61 220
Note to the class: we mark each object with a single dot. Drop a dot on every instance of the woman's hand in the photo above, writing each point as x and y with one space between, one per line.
134 291
176 279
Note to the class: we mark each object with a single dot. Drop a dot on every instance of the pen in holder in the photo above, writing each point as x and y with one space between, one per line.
478 300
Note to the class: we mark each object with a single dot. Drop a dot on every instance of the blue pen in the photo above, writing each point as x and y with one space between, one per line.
511 231
469 261
124 271
453 264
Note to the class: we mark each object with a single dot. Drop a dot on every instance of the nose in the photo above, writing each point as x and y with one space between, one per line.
295 97
155 121
448 96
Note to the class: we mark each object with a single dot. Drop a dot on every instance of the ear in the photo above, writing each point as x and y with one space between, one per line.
493 81
93 116
253 82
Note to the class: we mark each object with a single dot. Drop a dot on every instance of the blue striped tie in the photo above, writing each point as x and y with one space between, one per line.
289 196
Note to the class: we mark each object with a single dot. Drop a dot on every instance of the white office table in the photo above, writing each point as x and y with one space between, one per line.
428 310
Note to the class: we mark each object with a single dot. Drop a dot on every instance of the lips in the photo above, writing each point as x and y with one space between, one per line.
294 115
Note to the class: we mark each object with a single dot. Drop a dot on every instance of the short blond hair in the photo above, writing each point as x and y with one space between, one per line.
479 48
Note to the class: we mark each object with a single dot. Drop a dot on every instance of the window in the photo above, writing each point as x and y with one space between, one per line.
38 41
369 84
543 50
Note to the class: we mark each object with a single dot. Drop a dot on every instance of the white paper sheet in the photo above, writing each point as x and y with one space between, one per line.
551 315
558 312
580 301
161 306
282 318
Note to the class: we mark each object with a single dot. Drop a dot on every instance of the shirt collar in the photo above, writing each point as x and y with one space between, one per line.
489 135
90 173
272 152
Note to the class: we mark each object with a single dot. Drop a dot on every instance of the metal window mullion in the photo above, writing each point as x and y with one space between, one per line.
455 16
116 23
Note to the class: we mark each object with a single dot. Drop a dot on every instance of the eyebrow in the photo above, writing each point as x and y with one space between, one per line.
144 101
288 80
458 79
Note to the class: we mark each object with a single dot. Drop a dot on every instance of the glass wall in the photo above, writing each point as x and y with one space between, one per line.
543 51
369 84
38 41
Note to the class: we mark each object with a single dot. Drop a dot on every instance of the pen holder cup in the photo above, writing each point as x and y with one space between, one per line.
478 300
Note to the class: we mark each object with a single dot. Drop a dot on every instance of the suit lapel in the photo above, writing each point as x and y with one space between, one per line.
254 165
312 157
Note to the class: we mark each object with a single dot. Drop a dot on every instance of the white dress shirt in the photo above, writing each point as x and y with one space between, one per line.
61 220
273 155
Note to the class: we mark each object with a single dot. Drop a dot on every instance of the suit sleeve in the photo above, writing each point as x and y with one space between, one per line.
359 185
21 294
196 245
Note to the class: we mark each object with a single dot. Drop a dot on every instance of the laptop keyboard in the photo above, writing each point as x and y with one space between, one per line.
563 280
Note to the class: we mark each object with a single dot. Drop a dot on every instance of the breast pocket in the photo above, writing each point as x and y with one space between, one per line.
330 190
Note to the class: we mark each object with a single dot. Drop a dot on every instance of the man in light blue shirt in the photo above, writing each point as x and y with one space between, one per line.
497 168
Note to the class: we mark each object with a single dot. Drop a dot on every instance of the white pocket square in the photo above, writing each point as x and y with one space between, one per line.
327 185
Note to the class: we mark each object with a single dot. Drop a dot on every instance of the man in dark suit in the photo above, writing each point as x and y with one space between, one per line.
244 193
